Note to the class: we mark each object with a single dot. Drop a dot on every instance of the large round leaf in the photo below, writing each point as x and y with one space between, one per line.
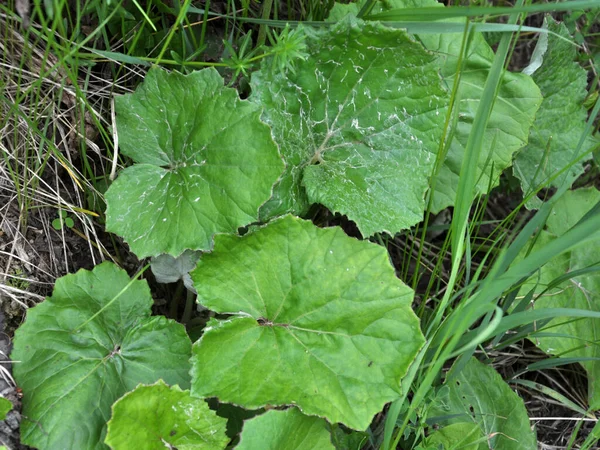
359 124
158 416
205 163
83 348
319 320
285 430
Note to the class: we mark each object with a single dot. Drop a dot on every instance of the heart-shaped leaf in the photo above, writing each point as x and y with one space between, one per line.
205 163
156 417
285 430
359 124
86 346
319 320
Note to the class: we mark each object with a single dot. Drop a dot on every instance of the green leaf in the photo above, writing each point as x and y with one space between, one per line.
318 320
479 395
512 115
285 430
348 440
358 124
573 338
234 415
83 348
341 10
463 436
5 407
156 417
561 120
205 163
168 269
121 57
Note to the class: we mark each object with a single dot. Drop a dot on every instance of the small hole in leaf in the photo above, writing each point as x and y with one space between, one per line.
264 322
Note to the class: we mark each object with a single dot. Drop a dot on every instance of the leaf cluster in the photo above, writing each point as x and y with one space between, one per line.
310 330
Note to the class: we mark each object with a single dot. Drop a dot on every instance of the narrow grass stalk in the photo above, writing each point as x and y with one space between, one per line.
465 195
433 13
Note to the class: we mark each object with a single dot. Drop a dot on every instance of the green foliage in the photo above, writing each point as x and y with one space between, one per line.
348 440
554 138
287 47
571 280
462 435
62 220
86 346
513 112
158 416
5 407
167 269
240 61
316 315
285 430
353 116
358 124
478 395
191 180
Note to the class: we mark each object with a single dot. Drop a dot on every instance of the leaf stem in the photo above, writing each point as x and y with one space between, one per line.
189 307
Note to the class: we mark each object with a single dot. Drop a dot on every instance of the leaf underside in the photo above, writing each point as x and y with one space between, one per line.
205 163
319 320
74 364
358 124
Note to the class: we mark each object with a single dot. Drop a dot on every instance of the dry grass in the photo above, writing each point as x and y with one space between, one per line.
50 160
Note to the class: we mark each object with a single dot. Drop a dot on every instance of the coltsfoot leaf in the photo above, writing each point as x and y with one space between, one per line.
511 118
478 395
205 163
561 120
285 430
319 320
86 346
156 417
358 123
565 336
463 436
